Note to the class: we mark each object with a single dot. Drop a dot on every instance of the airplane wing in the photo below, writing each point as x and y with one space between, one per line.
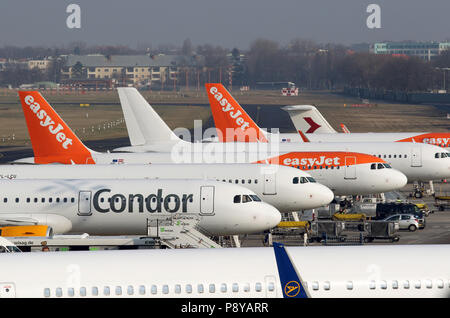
8 221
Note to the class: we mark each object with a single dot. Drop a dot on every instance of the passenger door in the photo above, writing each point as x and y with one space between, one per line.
350 168
84 203
270 186
416 157
207 200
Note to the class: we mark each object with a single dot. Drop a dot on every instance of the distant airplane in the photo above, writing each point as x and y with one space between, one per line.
265 272
418 161
122 207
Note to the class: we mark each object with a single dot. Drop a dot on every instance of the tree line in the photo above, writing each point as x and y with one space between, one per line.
303 62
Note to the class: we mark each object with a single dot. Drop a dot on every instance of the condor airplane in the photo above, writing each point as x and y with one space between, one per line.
308 119
418 161
345 173
264 272
284 188
122 207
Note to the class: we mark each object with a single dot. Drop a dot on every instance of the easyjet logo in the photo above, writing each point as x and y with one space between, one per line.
46 121
227 108
322 160
437 141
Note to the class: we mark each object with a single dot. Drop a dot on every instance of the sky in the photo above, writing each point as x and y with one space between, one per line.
229 23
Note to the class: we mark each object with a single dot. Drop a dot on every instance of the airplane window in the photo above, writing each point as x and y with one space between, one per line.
247 287
395 156
82 291
106 291
230 181
165 289
417 284
440 283
384 156
303 180
35 200
428 283
65 200
130 290
154 289
188 288
242 181
5 200
338 167
387 165
315 285
255 198
72 200
372 284
320 167
380 166
383 284
271 287
212 288
373 166
47 292
43 200
326 167
303 167
70 292
436 155
399 156
50 200
235 288
246 198
332 167
295 180
249 181
256 180
406 284
224 180
237 199
223 288
142 290
326 285
406 156
17 200
443 155
118 290
349 285
28 200
236 181
311 179
58 292
200 288
177 289
395 284
314 167
94 291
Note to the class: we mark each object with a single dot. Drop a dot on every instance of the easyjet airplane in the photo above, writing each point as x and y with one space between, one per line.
345 173
418 161
122 207
308 119
406 271
284 188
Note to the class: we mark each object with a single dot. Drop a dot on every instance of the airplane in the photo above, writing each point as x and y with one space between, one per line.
345 172
418 161
407 271
284 188
308 119
122 207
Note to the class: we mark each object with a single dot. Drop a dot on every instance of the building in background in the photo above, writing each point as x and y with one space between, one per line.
42 65
137 70
424 50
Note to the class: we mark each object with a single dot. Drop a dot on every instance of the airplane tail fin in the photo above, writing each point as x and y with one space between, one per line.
51 138
308 119
304 138
345 129
144 125
231 120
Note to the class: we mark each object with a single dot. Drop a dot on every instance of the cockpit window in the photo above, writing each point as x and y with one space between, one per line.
295 180
246 198
373 166
311 179
436 155
255 198
237 199
387 165
303 180
380 166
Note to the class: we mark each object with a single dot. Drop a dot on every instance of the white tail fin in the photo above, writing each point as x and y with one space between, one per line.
144 125
308 119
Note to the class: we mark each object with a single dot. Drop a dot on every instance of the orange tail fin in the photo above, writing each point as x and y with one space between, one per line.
232 122
52 140
345 129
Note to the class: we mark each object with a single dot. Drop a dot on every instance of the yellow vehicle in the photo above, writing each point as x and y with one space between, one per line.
292 224
424 208
349 217
26 230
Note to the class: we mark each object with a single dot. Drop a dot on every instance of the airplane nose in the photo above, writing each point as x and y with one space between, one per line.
396 179
267 217
318 195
